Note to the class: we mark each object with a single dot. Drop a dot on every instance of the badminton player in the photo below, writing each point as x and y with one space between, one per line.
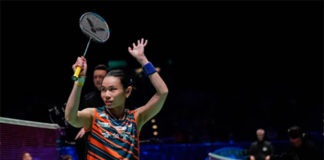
113 129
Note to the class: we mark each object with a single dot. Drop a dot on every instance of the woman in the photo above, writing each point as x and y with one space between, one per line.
114 130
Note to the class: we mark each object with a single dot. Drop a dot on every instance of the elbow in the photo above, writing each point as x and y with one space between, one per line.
70 120
165 92
162 91
67 115
67 118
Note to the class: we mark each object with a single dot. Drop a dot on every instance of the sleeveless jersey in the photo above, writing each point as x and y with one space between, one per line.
113 139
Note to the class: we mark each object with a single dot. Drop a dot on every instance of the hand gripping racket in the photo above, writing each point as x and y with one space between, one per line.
96 28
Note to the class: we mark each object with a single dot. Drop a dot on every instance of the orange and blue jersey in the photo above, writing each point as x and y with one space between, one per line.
113 139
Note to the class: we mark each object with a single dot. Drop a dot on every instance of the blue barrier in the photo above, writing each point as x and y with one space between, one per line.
199 151
68 150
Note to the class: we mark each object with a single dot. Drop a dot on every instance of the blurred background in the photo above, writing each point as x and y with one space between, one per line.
231 66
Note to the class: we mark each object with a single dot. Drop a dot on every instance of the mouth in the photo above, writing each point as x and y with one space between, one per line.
108 103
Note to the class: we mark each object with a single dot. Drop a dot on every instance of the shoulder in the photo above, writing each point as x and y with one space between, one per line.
100 109
267 142
136 112
90 111
131 113
254 143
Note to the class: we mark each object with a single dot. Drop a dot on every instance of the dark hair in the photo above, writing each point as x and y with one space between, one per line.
101 67
125 79
296 132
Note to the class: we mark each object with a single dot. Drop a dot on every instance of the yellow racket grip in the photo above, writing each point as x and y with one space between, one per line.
76 73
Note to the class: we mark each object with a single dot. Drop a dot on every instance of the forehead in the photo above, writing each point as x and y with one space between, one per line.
111 81
99 72
260 132
26 154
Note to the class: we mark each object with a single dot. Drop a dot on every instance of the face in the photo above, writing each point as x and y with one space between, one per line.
98 76
260 134
27 156
296 142
113 93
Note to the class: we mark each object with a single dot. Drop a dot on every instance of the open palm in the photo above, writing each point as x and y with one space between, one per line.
138 50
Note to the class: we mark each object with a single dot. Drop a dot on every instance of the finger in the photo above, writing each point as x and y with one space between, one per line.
79 62
77 136
142 41
138 42
85 65
130 50
83 59
145 43
82 134
134 45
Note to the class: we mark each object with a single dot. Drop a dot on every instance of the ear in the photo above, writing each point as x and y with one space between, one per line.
128 91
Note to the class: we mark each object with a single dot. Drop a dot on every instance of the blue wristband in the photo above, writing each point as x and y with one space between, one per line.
149 69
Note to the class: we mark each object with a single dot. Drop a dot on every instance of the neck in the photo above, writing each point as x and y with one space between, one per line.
117 113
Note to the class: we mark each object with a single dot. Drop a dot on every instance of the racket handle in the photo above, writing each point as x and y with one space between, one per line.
76 73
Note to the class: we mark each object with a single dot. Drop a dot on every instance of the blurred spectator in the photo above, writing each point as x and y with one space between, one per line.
26 156
260 149
67 157
301 148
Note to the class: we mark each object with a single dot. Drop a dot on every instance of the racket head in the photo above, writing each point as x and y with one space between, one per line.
94 26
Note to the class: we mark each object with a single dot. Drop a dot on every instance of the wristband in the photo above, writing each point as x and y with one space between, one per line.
80 81
149 69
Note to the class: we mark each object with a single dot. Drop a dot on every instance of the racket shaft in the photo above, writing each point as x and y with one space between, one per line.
85 51
78 69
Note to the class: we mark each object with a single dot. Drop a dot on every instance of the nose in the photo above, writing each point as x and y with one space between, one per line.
97 80
107 94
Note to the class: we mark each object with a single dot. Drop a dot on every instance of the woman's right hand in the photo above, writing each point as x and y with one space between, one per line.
81 62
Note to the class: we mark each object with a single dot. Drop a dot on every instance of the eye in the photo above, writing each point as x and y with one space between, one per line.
112 88
103 89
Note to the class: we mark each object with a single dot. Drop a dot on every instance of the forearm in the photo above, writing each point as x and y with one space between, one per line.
159 85
72 105
156 80
155 104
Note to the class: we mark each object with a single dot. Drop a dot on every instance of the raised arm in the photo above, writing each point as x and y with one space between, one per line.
154 105
72 115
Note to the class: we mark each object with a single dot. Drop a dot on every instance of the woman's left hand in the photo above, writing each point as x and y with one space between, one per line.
138 51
